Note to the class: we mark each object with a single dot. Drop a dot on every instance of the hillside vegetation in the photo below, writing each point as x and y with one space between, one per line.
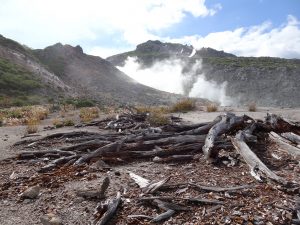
18 86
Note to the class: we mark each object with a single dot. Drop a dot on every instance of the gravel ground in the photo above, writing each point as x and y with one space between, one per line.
264 203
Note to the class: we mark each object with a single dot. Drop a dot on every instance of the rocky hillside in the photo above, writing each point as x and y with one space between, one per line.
62 71
264 80
24 80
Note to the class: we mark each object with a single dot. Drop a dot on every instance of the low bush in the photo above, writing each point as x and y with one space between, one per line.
211 108
184 105
252 107
158 119
32 125
87 114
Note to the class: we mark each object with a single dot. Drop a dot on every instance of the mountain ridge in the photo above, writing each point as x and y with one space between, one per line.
267 81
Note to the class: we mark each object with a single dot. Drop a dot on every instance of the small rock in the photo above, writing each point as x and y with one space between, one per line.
31 192
117 173
50 219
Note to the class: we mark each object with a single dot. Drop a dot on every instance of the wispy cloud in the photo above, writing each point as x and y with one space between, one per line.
40 23
260 40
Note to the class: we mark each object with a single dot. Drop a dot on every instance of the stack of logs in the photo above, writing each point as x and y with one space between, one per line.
133 138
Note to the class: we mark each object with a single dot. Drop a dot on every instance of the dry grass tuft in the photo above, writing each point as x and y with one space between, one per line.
62 123
32 125
158 118
211 108
252 107
23 115
152 109
88 114
184 105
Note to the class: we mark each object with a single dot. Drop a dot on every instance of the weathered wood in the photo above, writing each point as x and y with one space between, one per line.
39 154
155 186
200 187
183 127
203 129
112 147
173 158
142 182
227 123
93 144
284 144
163 216
252 160
280 125
111 210
292 137
56 163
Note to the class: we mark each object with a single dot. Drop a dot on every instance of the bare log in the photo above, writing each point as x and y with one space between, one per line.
252 160
39 154
292 137
112 147
203 129
228 123
57 162
173 158
285 145
280 125
142 182
111 210
93 144
164 216
200 187
153 187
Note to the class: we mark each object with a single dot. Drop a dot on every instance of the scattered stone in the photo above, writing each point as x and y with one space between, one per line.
31 192
50 219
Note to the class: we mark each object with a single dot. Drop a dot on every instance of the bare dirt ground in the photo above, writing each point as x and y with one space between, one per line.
263 204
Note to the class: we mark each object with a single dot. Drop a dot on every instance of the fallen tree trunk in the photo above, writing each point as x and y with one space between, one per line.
112 147
111 210
203 129
228 123
285 145
252 160
292 137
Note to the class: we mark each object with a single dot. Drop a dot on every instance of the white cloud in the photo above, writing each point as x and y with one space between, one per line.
105 52
261 40
39 23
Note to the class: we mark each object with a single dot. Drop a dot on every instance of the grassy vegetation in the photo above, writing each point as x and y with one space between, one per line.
57 123
32 125
252 107
18 86
87 114
211 108
260 62
29 115
184 105
158 118
16 46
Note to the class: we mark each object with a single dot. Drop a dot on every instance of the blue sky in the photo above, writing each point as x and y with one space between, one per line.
101 27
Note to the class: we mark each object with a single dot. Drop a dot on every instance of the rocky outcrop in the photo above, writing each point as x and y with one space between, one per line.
266 81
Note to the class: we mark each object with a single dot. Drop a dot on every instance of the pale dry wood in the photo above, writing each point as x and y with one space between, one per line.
252 160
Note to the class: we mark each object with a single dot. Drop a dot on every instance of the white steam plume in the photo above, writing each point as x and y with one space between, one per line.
168 75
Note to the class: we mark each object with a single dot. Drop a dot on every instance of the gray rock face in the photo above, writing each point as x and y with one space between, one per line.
266 81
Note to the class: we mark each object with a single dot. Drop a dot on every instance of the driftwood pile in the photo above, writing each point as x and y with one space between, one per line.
130 137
